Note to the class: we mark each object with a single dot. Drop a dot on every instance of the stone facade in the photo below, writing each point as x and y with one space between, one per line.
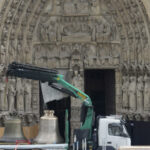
77 35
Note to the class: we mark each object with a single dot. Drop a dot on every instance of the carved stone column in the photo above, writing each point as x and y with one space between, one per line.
77 81
76 69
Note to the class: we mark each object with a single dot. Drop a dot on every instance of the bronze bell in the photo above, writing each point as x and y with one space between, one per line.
13 131
48 132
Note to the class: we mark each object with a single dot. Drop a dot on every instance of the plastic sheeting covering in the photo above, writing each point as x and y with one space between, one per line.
51 94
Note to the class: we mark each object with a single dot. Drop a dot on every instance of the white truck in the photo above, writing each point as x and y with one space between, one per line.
112 133
109 134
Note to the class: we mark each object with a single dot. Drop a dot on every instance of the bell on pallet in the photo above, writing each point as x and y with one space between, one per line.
49 131
13 131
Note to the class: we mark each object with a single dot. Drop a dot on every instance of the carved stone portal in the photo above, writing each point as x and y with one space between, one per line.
85 33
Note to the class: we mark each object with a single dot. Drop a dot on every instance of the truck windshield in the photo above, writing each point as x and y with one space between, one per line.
116 129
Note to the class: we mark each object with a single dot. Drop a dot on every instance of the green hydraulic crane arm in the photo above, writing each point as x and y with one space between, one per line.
56 81
82 96
77 93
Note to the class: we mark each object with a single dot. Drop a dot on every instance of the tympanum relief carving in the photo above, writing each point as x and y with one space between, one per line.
95 33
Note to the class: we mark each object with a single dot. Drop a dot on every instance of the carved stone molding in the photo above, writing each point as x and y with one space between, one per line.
136 117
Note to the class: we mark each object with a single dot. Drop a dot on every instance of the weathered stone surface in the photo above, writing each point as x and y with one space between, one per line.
78 35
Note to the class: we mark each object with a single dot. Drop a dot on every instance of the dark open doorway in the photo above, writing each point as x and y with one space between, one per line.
100 86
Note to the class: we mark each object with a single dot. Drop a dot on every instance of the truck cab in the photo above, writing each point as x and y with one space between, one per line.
112 133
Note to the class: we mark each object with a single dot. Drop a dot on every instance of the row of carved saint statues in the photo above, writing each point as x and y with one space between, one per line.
136 92
15 95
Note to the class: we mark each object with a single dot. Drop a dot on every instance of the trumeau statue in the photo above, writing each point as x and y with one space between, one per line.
77 80
139 93
132 93
146 93
125 86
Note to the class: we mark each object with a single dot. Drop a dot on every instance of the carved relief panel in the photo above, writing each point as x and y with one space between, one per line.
47 29
82 25
80 7
76 29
